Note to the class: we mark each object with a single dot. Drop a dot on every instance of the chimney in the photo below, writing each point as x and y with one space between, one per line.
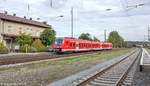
5 12
25 17
14 14
44 22
30 18
38 18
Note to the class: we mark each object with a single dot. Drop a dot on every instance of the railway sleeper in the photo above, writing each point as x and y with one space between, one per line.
111 76
109 79
105 81
99 84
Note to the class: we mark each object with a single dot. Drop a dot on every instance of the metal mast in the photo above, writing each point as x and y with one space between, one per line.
72 22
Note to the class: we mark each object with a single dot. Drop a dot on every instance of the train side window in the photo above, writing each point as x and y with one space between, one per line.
67 43
77 45
71 45
74 45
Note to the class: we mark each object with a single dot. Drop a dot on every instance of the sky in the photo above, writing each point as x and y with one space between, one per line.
90 16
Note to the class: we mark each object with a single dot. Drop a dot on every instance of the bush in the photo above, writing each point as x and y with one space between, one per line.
24 39
37 44
25 48
3 49
28 49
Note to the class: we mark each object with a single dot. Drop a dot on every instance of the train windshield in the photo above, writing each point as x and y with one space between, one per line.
58 41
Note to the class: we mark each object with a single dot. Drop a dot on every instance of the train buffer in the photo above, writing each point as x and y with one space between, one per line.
145 60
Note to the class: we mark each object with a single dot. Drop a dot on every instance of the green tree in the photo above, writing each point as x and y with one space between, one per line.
37 44
3 49
24 39
125 44
85 36
116 40
95 39
48 36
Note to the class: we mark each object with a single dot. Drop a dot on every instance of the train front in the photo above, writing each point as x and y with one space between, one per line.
57 46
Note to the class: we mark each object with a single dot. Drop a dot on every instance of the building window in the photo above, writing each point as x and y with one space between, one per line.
20 32
9 30
9 26
20 28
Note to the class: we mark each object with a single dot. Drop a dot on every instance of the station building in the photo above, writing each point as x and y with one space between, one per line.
12 26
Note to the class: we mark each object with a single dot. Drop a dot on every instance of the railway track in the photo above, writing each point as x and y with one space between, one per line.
114 75
29 58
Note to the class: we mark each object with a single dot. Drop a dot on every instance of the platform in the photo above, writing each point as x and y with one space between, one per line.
145 60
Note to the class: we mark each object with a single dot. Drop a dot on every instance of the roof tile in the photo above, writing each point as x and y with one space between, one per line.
22 20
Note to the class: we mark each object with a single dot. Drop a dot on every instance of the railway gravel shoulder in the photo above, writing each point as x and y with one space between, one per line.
113 75
72 80
21 59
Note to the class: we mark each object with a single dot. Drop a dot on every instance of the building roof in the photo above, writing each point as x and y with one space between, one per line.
14 18
14 35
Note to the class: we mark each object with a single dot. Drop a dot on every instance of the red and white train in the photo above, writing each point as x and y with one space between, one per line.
66 44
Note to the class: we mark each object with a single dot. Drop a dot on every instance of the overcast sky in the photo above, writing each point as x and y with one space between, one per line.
89 15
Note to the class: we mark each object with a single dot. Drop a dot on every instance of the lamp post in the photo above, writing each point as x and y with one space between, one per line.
72 21
105 31
105 39
135 6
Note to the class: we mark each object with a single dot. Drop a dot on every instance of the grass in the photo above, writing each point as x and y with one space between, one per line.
45 72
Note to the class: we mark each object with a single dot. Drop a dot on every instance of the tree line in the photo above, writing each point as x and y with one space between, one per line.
114 38
87 36
47 37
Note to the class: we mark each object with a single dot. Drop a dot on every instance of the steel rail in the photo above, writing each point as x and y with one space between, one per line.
123 77
84 82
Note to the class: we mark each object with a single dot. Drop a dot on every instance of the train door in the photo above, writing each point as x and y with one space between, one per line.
77 45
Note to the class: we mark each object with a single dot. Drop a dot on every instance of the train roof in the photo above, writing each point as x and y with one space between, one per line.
81 40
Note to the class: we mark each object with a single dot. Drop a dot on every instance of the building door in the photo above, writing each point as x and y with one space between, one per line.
8 43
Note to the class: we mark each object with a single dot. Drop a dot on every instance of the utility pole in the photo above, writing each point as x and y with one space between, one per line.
28 10
148 33
105 35
145 38
72 22
51 3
